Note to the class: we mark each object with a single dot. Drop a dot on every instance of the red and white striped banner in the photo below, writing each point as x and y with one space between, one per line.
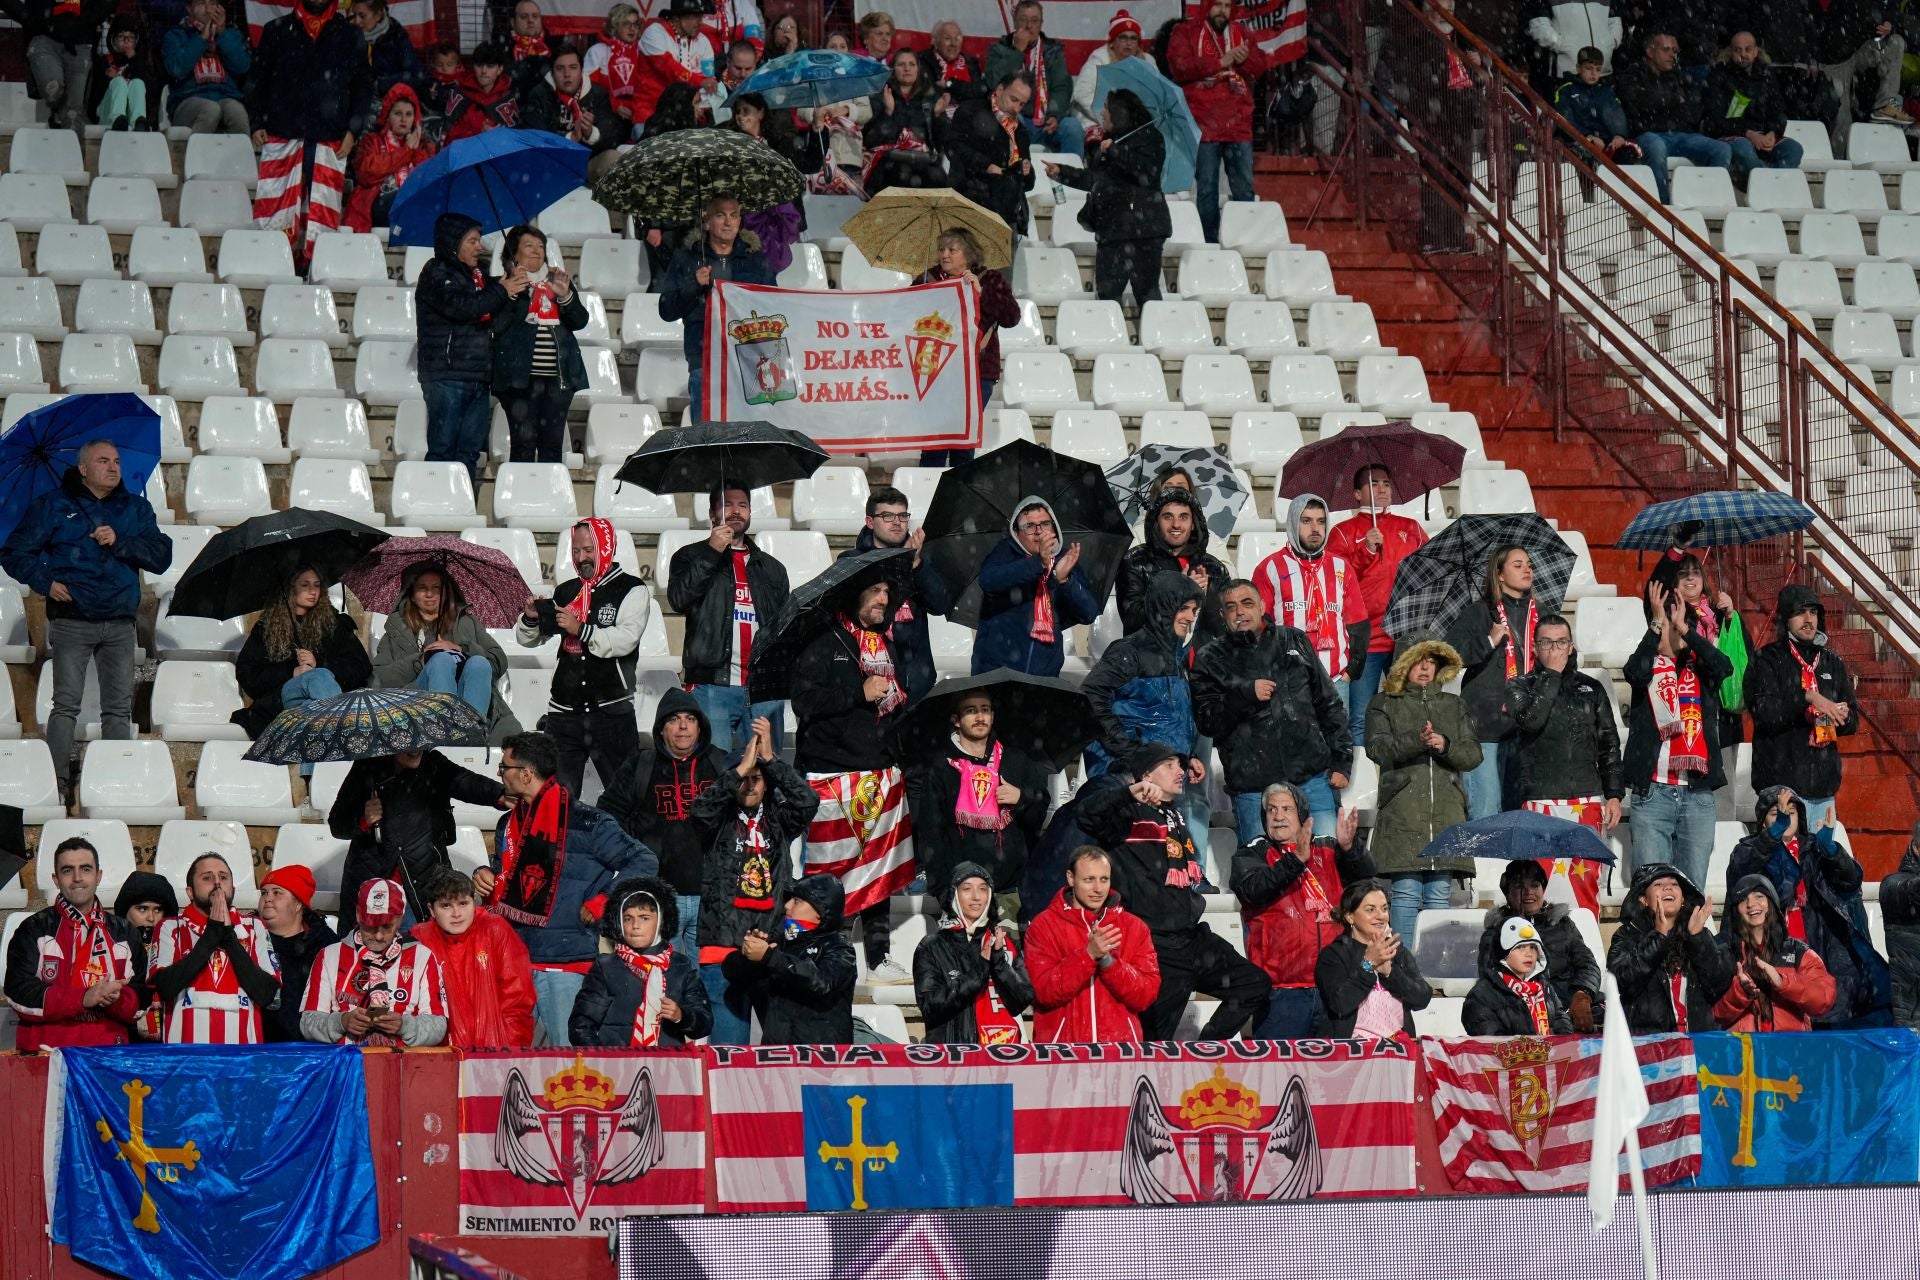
1081 25
415 15
861 834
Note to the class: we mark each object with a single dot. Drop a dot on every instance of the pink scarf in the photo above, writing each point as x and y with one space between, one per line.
978 807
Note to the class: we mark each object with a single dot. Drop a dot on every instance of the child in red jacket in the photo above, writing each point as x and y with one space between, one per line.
383 159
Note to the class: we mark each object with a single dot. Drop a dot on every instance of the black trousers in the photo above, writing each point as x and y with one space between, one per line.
536 420
1119 263
1200 962
608 737
876 931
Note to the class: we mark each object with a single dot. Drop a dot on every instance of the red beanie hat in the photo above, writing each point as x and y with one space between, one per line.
296 880
1122 24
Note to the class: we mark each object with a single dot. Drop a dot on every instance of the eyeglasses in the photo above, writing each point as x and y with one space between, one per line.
892 517
1545 643
508 768
1039 527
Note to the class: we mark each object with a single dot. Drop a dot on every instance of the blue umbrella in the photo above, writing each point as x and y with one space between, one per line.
1517 834
1163 98
1726 518
502 177
36 451
814 78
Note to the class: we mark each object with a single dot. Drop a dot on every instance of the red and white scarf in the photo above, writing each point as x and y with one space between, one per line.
651 969
876 660
1677 715
1823 733
533 852
623 69
605 545
1036 64
978 806
541 307
1042 628
1010 125
93 957
1221 47
992 1022
525 47
1519 656
1315 893
1532 994
374 980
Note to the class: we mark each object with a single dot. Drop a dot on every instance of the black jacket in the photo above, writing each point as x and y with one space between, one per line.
912 646
1139 688
416 824
1900 909
1491 1009
949 975
454 302
601 674
1483 681
1742 99
974 141
840 730
733 879
916 113
700 586
1642 960
540 108
1153 556
1303 730
941 845
296 955
306 88
1571 966
809 978
1783 754
654 794
1566 743
1124 201
261 677
1344 986
610 994
513 343
1155 875
1643 738
75 30
1667 103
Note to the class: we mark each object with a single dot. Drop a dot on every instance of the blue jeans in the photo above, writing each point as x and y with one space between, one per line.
1322 806
1674 824
726 709
694 406
686 942
469 678
1293 1013
1747 157
553 993
1482 783
1066 134
1238 157
1410 894
1656 148
732 1010
315 684
458 416
1360 695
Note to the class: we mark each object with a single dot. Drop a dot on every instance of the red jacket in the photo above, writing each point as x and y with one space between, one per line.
1287 926
1075 1001
489 982
1400 537
380 160
471 111
1221 100
45 991
1806 992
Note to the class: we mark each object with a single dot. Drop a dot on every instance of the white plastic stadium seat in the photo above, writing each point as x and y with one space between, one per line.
384 311
221 155
130 154
1046 274
212 310
1253 226
636 510
534 495
196 639
807 270
194 702
225 491
214 206
181 842
1039 381
336 485
1219 385
121 204
195 366
31 305
384 372
256 259
858 275
1871 338
300 311
243 427
1092 435
1263 440
1708 189
642 326
614 431
166 256
117 306
20 364
1181 428
1343 330
1259 329
71 252
1174 327
615 267
436 496
229 788
325 427
1606 630
50 151
129 780
99 362
32 201
660 379
603 377
1490 491
350 261
1130 384
1088 327
832 501
1888 287
311 845
1214 276
1394 385
1308 385
27 780
1299 277
287 368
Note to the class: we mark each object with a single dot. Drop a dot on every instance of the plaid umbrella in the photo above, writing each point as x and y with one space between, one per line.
667 180
368 723
900 228
1519 835
1419 461
817 604
1726 518
488 582
1217 486
1436 582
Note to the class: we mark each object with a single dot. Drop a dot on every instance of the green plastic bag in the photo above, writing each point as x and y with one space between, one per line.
1733 645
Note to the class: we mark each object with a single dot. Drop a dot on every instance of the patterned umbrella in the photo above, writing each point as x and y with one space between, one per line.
815 78
667 180
1217 485
816 605
368 723
1517 835
1726 518
1418 460
900 228
1436 582
492 587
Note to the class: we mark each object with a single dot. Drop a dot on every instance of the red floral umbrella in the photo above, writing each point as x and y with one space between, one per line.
492 587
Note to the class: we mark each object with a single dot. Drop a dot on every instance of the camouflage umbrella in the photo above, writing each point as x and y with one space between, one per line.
667 180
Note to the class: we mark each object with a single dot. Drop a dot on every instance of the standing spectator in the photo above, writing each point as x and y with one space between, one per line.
1563 29
298 934
1422 739
956 73
530 54
60 40
537 367
846 689
396 815
1091 962
205 61
445 71
1744 110
1496 637
995 308
1031 591
129 69
1305 586
391 59
1138 689
563 102
784 37
1857 41
1566 760
727 588
644 991
888 519
484 964
376 987
311 82
1779 982
1672 758
485 99
735 22
968 979
214 969
1123 42
1369 982
1174 540
742 59
876 35
1217 62
75 974
82 546
456 302
1684 573
719 249
653 797
1671 972
301 649
1124 208
1262 695
385 158
803 975
1900 908
779 226
553 861
981 803
431 642
1288 880
1373 542
1663 110
1513 996
1048 120
1802 701
754 813
1571 968
671 51
599 616
987 150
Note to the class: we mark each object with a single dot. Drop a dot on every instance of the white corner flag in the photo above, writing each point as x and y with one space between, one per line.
1618 1112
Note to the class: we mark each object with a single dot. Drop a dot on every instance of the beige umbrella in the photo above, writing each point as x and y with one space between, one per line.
900 229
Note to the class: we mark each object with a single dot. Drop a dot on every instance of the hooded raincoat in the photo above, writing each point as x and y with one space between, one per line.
1806 990
1009 633
1790 748
950 977
608 1006
1662 974
1139 689
1142 564
1420 790
809 974
654 798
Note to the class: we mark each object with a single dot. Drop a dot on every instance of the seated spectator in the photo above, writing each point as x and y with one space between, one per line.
1663 109
805 971
1743 109
784 37
537 365
205 61
779 226
1566 29
376 987
1031 593
995 309
445 71
670 51
297 934
1571 968
484 964
742 60
396 814
563 102
485 99
1123 41
735 22
432 642
390 54
1124 207
839 131
1591 106
968 978
384 158
61 35
530 53
1858 44
1670 971
901 137
954 72
1512 996
1047 118
128 69
988 157
643 992
1369 982
454 354
145 901
876 35
297 652
1779 982
214 969
1900 908
720 249
75 974
1091 962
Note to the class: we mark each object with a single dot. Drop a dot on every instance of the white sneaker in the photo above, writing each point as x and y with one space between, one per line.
888 973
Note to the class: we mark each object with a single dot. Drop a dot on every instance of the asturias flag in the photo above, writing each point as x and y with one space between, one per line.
211 1163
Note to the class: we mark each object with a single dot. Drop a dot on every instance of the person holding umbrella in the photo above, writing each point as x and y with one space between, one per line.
1124 208
432 642
300 649
1373 543
1496 637
995 309
980 801
396 815
1031 591
719 249
456 301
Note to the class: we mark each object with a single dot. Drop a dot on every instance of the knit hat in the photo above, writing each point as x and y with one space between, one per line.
296 880
1144 758
142 887
382 901
1518 931
1123 24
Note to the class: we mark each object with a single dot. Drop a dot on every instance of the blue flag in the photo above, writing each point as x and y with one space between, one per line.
908 1146
1800 1107
214 1162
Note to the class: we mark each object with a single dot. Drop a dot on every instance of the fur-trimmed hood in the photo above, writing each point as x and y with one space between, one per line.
1439 650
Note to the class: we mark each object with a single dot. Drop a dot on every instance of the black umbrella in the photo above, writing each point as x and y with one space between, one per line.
1436 582
816 605
1048 719
666 180
973 509
246 567
749 455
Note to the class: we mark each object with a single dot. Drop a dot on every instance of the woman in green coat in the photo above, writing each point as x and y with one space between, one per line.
1423 742
432 642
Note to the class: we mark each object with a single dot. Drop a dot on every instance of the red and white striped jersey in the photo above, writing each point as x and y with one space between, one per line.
1311 596
215 1009
410 984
